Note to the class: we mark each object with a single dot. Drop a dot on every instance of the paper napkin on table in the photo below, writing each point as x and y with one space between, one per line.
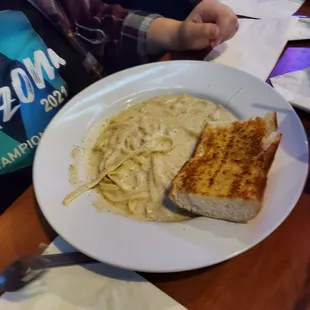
256 47
264 8
295 87
299 30
92 287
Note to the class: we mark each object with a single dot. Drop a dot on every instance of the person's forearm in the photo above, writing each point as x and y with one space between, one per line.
163 35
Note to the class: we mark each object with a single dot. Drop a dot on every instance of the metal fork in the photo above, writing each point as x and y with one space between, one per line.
25 270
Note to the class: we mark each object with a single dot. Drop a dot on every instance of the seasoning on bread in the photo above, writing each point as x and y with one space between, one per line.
227 176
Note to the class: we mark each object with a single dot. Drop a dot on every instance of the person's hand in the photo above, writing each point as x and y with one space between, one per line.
209 24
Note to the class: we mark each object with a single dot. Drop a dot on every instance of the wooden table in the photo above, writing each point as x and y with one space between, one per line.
273 275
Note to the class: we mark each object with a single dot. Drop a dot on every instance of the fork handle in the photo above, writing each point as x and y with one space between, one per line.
59 260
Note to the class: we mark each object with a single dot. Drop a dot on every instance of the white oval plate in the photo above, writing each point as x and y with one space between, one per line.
166 247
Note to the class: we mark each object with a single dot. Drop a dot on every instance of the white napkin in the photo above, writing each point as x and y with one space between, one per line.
256 47
295 87
93 287
264 8
300 30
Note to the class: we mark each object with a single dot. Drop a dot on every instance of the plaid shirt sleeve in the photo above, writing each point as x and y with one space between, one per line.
109 34
134 38
125 37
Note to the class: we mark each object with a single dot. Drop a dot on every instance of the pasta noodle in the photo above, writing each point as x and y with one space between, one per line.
143 148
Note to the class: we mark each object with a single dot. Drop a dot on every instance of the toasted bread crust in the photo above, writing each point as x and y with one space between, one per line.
231 161
271 122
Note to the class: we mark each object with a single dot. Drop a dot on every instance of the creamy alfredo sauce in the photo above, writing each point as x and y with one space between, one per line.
140 151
